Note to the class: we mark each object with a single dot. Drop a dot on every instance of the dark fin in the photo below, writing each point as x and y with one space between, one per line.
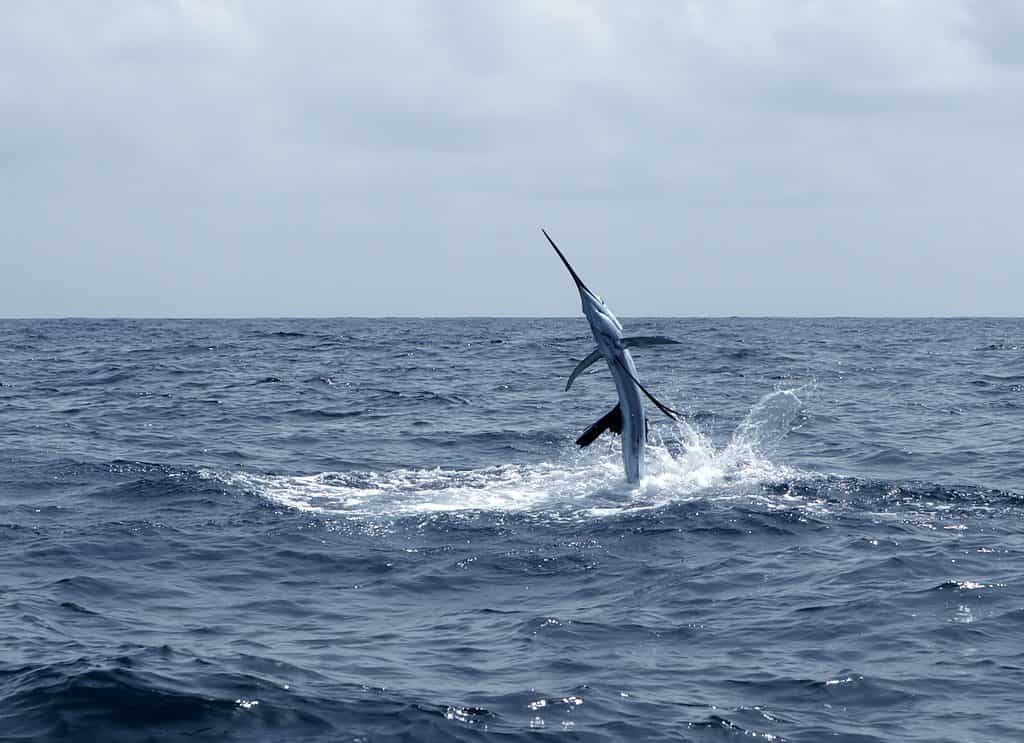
673 414
594 356
610 421
640 341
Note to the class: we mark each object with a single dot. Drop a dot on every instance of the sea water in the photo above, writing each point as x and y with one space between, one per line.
347 529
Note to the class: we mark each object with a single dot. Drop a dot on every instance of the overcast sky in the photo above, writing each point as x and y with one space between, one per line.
205 158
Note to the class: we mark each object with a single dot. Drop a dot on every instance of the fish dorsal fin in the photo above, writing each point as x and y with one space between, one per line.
642 341
610 421
580 367
637 341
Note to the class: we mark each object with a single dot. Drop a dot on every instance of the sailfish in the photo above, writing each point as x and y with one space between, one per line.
627 417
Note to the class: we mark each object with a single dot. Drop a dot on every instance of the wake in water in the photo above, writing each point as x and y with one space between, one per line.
683 466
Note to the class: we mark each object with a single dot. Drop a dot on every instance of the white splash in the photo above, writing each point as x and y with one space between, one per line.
588 483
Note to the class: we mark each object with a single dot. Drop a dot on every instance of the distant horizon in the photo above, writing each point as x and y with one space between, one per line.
511 317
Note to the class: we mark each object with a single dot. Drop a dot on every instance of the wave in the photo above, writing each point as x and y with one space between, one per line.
162 693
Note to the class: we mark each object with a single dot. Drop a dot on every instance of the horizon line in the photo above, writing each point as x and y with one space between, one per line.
504 317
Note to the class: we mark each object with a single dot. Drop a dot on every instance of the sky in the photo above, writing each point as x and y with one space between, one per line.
190 158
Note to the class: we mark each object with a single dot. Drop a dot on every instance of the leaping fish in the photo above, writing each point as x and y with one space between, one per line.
627 417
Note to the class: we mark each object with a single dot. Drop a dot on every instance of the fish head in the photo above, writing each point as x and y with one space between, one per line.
602 320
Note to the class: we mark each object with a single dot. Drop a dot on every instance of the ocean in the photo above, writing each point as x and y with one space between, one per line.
381 529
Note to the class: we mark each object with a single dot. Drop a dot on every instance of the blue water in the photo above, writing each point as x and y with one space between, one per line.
326 530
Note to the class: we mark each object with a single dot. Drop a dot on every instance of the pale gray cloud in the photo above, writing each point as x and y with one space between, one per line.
257 158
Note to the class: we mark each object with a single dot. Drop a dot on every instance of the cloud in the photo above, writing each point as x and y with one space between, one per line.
238 158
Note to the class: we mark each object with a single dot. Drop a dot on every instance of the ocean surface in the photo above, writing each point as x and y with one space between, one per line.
363 530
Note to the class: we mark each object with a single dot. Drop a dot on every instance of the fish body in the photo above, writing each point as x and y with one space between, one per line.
627 417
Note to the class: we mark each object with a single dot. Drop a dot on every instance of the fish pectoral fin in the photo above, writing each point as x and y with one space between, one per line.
642 341
610 421
673 414
580 367
669 412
